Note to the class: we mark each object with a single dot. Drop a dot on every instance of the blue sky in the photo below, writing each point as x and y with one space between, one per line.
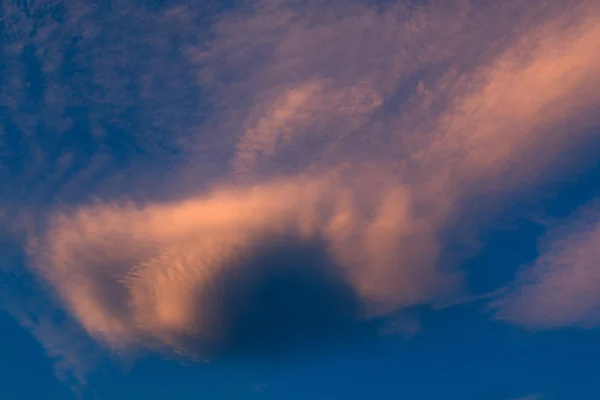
281 199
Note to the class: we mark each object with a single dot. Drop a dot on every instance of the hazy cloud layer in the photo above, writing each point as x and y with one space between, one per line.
562 286
341 139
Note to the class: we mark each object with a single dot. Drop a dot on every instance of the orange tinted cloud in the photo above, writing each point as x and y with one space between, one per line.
514 104
358 129
126 273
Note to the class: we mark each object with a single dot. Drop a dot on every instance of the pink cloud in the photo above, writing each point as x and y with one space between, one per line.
561 288
360 129
126 273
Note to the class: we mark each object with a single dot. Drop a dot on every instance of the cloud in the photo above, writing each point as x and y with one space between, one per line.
543 79
561 288
89 95
129 273
297 112
29 301
342 139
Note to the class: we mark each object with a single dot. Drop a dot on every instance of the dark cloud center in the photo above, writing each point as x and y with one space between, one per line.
284 296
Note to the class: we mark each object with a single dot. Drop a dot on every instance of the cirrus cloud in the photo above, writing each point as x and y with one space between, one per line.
561 288
345 137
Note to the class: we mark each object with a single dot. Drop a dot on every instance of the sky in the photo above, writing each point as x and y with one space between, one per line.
267 199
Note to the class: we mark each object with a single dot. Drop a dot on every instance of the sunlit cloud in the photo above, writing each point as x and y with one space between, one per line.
561 288
127 273
346 133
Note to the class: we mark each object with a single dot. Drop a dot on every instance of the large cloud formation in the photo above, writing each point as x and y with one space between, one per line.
130 273
341 141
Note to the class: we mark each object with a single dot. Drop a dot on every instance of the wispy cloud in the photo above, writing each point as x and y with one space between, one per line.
347 131
128 273
562 286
